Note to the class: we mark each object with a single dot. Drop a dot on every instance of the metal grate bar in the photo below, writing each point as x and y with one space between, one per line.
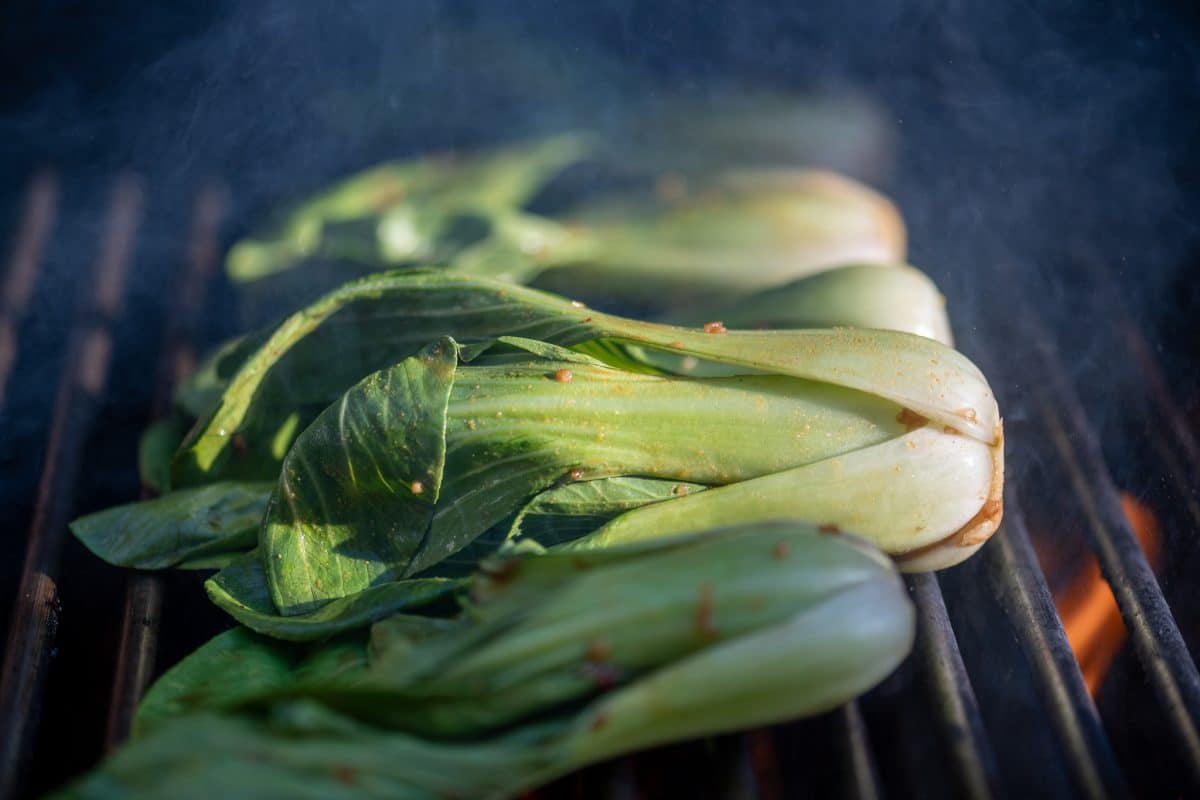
1013 573
763 760
143 596
80 390
621 781
740 780
1156 638
860 773
941 667
1016 577
41 206
135 654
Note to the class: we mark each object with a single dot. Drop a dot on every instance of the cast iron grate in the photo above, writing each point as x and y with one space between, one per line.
970 713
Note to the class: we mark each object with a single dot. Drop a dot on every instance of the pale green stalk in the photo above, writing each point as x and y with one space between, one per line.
929 498
740 232
893 297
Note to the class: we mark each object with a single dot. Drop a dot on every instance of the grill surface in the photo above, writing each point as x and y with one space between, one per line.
951 722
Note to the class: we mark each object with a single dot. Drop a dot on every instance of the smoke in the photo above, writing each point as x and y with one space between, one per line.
1050 140
1032 146
1004 113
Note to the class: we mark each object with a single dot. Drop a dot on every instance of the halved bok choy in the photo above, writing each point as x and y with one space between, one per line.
558 661
891 435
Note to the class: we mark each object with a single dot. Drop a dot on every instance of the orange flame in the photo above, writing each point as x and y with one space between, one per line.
1087 607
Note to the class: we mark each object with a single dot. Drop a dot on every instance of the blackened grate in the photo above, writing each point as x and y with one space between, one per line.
991 703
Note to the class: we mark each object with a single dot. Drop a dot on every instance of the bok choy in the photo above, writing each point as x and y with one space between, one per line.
725 230
558 661
418 210
418 460
892 435
319 352
738 232
480 535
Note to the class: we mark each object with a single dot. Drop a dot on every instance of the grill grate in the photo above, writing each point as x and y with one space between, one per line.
852 752
941 665
1014 575
89 355
1160 646
143 597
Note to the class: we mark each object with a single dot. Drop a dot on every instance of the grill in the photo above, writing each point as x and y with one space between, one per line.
991 703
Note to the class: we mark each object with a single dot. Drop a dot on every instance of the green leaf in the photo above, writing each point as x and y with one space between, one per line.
404 211
223 672
200 392
180 526
238 668
240 589
359 483
568 512
156 447
304 752
548 630
713 632
318 353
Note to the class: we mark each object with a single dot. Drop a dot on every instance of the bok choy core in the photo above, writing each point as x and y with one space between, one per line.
559 661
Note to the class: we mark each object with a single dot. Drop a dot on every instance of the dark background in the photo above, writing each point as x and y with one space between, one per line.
1019 127
1050 139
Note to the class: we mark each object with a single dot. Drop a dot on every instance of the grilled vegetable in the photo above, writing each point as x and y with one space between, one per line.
929 498
738 232
315 355
544 673
425 209
417 461
891 297
367 495
731 230
427 435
